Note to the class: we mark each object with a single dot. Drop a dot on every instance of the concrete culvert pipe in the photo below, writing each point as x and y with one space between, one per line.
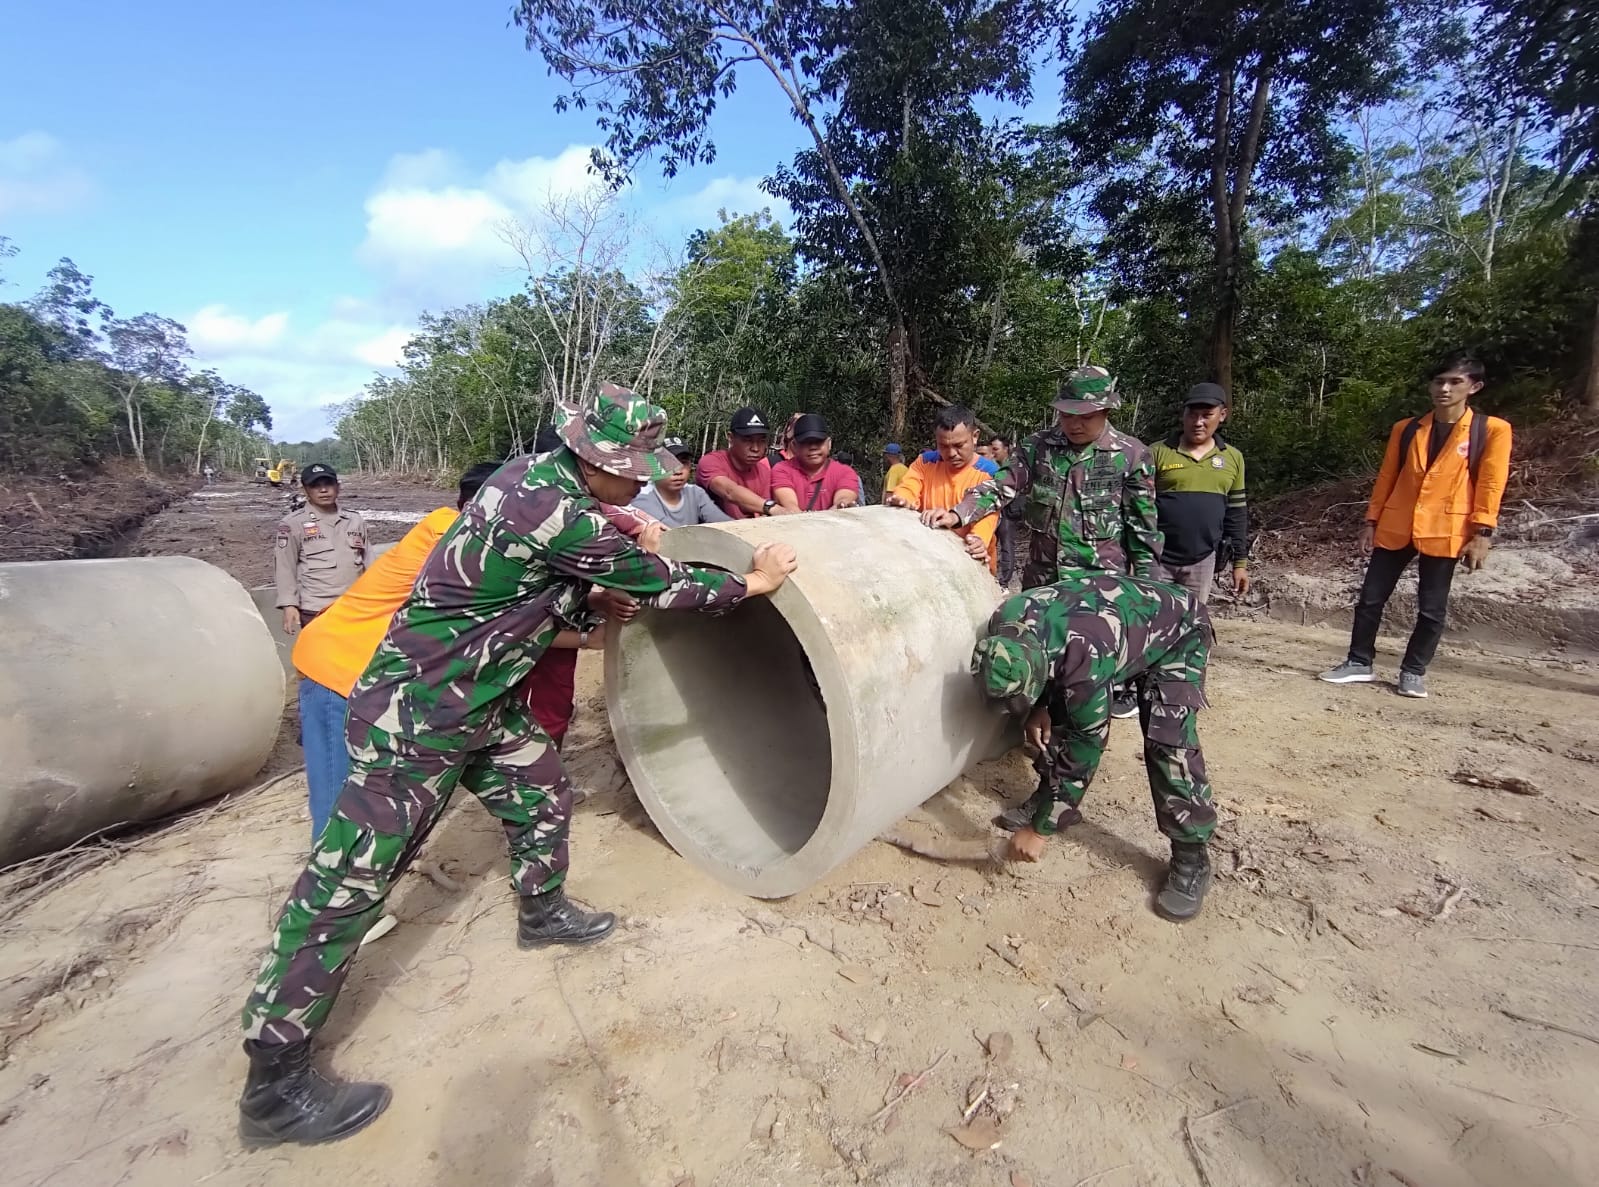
770 744
128 689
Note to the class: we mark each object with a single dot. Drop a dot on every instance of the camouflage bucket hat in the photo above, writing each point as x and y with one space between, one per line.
621 433
1086 390
1009 669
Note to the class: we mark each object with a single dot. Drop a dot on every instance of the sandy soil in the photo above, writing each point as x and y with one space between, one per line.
1373 995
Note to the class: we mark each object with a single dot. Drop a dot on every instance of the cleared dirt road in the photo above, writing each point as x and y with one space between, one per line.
1374 995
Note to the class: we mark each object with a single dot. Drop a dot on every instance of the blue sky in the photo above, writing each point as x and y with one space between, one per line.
296 182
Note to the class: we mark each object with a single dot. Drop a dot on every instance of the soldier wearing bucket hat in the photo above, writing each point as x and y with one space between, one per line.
1086 491
436 710
1053 655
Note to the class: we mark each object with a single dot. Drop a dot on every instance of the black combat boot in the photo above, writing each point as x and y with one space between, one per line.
552 919
1024 813
1186 881
287 1100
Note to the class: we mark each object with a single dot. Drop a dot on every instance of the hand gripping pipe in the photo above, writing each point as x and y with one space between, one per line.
129 688
770 744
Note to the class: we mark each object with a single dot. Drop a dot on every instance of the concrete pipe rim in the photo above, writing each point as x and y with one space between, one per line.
798 868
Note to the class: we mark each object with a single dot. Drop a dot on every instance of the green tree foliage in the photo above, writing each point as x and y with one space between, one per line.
1311 202
79 385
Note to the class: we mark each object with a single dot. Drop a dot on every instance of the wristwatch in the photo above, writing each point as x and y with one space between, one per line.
1482 531
583 639
766 507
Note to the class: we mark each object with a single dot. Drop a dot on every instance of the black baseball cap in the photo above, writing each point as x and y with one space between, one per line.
750 422
811 427
678 447
1205 395
317 472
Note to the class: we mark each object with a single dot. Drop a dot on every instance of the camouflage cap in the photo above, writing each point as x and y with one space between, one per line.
1087 390
1010 668
620 432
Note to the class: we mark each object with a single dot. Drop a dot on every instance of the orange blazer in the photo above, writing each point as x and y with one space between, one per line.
1436 509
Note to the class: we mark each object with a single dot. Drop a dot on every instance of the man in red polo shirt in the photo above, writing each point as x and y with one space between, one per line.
812 480
739 477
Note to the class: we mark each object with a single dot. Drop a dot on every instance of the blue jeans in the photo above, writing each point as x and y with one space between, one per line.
327 761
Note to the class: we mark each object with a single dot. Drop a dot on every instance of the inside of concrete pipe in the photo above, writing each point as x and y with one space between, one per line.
727 732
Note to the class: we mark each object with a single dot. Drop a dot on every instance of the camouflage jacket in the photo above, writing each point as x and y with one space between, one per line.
1101 631
1089 508
523 554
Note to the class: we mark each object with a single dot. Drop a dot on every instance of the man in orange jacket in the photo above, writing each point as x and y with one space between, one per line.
1437 498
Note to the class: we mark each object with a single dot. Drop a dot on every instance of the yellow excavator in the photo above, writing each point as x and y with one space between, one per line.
282 474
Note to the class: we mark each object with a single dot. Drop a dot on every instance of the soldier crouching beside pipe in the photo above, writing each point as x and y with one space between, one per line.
1054 655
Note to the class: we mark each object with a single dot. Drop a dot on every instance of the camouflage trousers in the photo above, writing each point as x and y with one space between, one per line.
396 793
1170 695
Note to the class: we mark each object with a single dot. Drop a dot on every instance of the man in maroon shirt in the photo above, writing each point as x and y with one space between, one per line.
812 480
739 477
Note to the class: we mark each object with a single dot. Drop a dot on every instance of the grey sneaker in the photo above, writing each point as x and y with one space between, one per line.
1413 684
1349 672
1124 705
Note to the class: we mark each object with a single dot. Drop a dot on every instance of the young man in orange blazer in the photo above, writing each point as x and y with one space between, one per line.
1437 498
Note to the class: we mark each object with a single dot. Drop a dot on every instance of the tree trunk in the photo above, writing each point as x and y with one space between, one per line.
1221 333
135 437
898 381
1228 209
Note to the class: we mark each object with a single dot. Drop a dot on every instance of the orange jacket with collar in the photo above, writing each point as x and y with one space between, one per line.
1435 508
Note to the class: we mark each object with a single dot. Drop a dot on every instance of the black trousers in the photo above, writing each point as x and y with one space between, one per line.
1005 537
1432 601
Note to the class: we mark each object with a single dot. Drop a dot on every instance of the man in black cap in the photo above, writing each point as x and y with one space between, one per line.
811 480
674 500
320 550
1199 497
739 477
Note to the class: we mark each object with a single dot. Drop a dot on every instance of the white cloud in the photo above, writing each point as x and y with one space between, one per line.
299 372
734 195
216 333
440 236
433 239
36 177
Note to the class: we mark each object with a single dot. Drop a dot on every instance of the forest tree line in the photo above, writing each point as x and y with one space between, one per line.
1307 202
80 385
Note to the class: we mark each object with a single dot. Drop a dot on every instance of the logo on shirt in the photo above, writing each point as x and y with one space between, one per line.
312 531
1218 462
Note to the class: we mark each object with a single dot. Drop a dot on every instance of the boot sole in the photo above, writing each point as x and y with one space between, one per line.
254 1138
527 945
1366 679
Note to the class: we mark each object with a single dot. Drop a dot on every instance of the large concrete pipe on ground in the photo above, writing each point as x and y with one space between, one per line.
770 744
129 688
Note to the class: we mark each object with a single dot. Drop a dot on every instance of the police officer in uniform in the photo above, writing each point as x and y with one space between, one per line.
320 550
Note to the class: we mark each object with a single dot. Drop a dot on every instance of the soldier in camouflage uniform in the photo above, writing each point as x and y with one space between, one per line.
436 709
1053 655
1086 492
1086 489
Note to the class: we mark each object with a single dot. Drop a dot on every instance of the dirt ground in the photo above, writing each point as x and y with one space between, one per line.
1395 980
231 525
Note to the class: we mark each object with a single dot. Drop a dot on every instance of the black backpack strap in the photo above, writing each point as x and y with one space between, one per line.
1406 437
1476 443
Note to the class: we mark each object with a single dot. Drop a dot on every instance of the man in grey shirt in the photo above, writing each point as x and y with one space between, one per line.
676 501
